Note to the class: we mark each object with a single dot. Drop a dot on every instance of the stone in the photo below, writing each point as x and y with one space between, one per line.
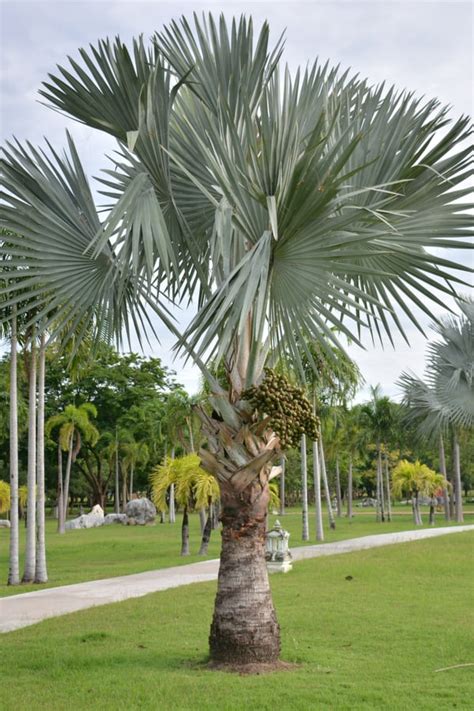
116 518
4 523
94 518
140 512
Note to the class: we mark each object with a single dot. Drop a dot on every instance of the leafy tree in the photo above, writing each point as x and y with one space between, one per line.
412 479
284 207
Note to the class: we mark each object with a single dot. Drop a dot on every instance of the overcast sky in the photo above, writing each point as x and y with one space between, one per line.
422 46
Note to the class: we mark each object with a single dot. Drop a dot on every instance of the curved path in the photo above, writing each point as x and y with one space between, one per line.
29 608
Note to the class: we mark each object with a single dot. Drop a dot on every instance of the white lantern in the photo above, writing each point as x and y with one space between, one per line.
277 554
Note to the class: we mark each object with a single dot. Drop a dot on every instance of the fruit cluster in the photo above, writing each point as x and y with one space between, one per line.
288 409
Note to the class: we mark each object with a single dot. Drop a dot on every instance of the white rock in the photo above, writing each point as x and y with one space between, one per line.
4 523
142 511
115 518
94 518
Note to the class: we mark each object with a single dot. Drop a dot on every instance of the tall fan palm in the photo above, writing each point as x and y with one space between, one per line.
445 401
285 205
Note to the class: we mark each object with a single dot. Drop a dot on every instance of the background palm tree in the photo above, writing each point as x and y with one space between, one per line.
253 193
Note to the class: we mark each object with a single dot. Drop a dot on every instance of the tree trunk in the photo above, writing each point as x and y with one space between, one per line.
206 533
457 480
304 490
171 506
416 510
185 533
388 491
61 517
117 486
14 555
432 511
379 487
30 557
41 572
202 519
338 489
282 485
317 493
132 471
244 628
442 468
67 479
349 490
327 494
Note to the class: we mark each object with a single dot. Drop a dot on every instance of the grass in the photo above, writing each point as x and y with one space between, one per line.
105 552
371 642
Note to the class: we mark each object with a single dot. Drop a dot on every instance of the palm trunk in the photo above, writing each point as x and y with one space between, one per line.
244 627
332 522
65 502
282 485
442 467
416 509
380 507
387 485
349 490
457 480
317 493
30 557
338 489
206 533
117 486
432 511
41 573
185 532
172 507
14 555
202 519
132 471
304 490
61 517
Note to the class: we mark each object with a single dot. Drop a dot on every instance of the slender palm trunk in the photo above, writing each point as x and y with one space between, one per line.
185 532
61 517
244 626
387 489
442 467
14 556
417 520
432 511
317 493
67 479
349 489
206 532
132 471
30 556
304 490
172 507
380 516
338 490
457 480
327 494
117 486
202 519
41 573
282 485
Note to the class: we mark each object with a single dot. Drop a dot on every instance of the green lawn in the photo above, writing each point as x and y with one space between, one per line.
108 551
372 642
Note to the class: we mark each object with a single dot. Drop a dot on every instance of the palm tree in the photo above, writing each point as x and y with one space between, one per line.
378 420
412 479
285 205
445 402
135 453
73 425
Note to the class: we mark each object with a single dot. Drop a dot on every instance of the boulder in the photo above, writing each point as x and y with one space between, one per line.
94 518
4 523
140 512
115 518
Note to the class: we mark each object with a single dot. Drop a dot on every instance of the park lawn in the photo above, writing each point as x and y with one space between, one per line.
108 551
373 641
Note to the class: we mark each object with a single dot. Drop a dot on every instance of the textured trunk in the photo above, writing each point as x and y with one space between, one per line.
215 515
349 490
327 494
206 533
379 486
244 628
282 486
432 511
442 468
387 489
41 573
172 507
317 493
457 480
14 556
202 519
382 493
30 556
185 533
338 489
61 517
304 490
416 509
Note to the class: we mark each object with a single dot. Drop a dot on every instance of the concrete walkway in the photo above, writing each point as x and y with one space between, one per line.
29 608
